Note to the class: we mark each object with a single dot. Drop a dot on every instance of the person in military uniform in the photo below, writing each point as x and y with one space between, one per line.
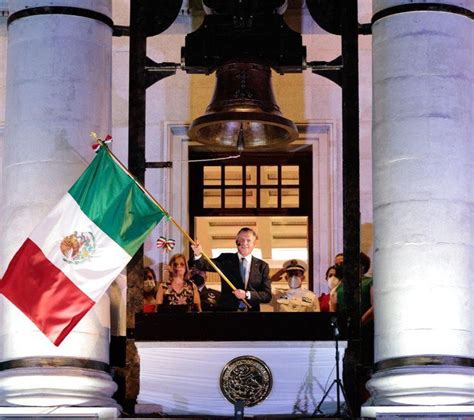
296 298
208 296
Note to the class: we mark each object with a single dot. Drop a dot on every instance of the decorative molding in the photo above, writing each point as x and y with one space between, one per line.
60 10
423 360
422 7
327 179
29 362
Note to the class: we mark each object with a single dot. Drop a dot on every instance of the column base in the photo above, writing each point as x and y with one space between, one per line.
52 412
50 387
419 386
418 411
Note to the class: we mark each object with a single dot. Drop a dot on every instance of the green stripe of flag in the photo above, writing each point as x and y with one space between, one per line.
115 203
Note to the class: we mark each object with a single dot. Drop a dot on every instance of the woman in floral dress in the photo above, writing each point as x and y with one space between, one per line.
179 290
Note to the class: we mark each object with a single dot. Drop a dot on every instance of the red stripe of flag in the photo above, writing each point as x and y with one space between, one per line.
44 293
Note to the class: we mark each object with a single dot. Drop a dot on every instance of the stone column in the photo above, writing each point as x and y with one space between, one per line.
58 91
423 150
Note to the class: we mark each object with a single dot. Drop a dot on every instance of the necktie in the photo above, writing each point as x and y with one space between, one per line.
243 271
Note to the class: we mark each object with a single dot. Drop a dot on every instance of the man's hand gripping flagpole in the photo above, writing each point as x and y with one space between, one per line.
171 219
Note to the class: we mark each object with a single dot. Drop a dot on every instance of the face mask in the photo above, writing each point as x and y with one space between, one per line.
333 281
148 285
294 282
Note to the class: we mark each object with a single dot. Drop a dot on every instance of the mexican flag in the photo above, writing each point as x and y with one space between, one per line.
75 253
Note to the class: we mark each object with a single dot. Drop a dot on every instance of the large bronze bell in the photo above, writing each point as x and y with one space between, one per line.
243 113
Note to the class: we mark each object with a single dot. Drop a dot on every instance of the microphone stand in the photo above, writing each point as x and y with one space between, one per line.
337 381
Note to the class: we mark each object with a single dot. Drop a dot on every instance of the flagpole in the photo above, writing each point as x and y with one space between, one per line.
170 218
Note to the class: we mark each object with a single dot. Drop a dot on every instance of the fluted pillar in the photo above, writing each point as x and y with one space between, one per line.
423 150
58 91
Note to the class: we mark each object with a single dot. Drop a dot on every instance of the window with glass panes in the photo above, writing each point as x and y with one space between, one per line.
252 184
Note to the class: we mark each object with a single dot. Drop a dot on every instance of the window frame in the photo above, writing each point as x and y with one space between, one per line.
302 159
196 184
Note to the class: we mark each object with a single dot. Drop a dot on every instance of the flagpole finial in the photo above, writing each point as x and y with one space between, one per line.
99 142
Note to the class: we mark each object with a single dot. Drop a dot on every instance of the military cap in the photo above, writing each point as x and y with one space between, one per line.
295 265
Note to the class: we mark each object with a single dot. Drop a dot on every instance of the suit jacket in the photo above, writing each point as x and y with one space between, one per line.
209 299
259 284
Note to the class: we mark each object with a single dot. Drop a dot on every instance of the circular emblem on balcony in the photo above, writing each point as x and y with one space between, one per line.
247 379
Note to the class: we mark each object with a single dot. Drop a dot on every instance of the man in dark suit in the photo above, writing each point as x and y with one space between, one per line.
248 274
209 297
